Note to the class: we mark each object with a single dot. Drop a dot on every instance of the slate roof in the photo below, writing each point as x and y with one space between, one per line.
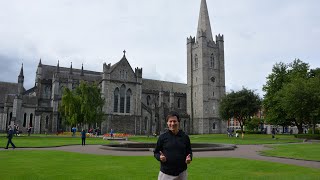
7 88
150 84
48 71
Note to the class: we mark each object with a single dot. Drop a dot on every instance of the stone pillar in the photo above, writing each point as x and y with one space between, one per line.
36 126
1 121
171 105
4 118
55 122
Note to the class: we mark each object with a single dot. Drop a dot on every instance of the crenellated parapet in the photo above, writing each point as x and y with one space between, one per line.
219 37
106 67
191 40
138 72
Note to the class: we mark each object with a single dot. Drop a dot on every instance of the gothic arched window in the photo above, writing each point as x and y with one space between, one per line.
47 122
212 61
178 102
122 97
30 122
196 62
128 95
115 100
214 126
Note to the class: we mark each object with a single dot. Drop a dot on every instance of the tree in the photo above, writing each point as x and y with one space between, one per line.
300 100
83 105
241 105
275 114
253 124
292 95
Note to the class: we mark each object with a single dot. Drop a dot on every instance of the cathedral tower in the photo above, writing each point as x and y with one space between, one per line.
206 77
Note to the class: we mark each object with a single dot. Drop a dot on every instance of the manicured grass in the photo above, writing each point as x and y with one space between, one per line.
66 165
297 151
224 139
49 141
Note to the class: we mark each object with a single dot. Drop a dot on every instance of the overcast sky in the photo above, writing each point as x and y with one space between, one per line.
257 34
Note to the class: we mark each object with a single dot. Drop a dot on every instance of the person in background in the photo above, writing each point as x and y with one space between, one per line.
83 137
10 136
273 132
111 133
29 130
173 150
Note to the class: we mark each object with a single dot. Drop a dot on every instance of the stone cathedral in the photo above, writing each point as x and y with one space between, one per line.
133 104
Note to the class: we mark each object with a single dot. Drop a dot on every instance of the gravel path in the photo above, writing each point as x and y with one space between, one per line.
243 151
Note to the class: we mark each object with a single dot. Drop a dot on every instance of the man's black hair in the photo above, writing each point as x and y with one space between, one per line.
172 114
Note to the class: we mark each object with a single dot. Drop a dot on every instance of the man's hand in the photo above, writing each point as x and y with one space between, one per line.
162 157
188 159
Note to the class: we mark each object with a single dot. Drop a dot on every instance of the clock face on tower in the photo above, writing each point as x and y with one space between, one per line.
213 79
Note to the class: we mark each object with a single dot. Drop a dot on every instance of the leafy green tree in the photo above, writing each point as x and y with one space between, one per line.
300 100
275 114
241 105
83 105
69 108
253 124
291 96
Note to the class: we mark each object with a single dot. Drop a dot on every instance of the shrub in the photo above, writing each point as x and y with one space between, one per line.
308 136
238 131
317 131
253 132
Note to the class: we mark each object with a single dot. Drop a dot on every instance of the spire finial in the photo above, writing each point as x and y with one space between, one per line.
39 65
21 71
124 52
58 68
70 72
204 27
82 70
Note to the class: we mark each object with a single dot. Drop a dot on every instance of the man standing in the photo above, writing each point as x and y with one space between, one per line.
83 137
173 150
10 136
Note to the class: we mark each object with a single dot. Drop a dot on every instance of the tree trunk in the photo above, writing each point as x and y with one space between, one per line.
313 127
300 129
242 134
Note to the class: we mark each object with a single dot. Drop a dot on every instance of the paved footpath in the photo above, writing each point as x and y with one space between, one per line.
242 151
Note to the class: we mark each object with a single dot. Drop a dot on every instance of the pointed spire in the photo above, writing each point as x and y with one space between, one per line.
82 70
204 22
40 64
58 68
21 71
70 72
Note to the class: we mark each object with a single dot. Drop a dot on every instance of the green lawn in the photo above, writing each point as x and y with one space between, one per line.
297 151
224 139
20 164
49 141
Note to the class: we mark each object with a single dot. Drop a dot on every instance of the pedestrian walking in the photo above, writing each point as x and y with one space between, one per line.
10 136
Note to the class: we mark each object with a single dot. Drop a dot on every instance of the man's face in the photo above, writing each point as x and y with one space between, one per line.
173 123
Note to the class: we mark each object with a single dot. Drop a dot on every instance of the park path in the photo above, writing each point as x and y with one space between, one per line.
242 151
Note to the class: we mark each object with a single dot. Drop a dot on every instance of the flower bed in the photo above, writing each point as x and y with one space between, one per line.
117 135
